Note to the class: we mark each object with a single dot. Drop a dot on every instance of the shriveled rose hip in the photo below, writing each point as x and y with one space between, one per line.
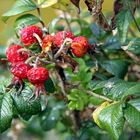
80 46
47 43
14 56
27 35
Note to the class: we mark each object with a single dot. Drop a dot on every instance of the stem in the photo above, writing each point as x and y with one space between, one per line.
36 61
24 50
46 61
132 32
30 59
40 17
74 118
61 84
96 62
131 55
135 20
67 21
96 95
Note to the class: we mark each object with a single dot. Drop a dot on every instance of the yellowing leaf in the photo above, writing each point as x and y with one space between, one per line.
97 111
46 3
64 5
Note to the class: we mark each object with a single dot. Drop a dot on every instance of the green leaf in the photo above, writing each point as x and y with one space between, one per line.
25 20
49 86
4 83
132 113
111 119
134 46
24 105
19 7
78 99
112 44
64 5
2 51
52 114
46 3
135 89
95 101
98 32
116 67
123 20
6 111
97 112
82 73
49 118
116 89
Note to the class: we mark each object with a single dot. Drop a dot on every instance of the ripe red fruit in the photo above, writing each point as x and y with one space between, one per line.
14 56
80 46
47 43
27 36
38 76
20 70
60 36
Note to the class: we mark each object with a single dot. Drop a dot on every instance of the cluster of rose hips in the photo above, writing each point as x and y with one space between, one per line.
63 42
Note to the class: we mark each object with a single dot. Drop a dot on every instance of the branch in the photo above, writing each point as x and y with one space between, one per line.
96 95
131 55
40 17
62 86
135 21
67 21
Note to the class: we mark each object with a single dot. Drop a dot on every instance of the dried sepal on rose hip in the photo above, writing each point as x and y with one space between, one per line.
79 46
28 35
47 43
13 54
37 76
61 36
19 70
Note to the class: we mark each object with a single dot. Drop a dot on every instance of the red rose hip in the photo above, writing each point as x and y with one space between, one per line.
38 76
14 56
27 35
80 46
60 36
20 70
